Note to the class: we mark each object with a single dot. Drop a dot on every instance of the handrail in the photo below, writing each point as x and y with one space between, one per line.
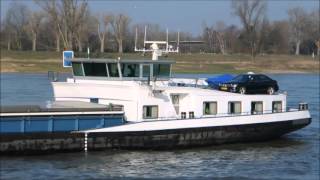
193 82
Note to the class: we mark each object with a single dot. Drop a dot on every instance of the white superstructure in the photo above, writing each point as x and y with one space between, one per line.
147 92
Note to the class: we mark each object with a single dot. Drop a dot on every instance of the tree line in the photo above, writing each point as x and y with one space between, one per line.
69 24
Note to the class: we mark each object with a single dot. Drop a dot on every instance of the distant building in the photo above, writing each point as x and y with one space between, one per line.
190 46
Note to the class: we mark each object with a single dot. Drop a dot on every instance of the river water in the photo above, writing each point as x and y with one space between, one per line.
294 156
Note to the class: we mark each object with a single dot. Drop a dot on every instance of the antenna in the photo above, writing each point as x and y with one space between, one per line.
136 39
145 37
88 51
178 41
167 41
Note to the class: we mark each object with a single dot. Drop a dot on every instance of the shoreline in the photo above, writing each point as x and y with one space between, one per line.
42 62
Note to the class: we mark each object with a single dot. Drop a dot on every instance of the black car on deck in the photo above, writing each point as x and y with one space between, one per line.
250 83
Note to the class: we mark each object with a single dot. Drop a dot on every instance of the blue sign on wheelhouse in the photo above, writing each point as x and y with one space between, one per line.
67 56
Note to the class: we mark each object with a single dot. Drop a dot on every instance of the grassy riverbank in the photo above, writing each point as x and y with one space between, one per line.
27 61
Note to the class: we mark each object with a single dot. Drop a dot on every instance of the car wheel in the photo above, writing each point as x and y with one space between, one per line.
270 90
242 90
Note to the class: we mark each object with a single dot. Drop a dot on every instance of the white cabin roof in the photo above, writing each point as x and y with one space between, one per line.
137 61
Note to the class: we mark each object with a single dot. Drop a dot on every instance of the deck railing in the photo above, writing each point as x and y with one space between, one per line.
220 115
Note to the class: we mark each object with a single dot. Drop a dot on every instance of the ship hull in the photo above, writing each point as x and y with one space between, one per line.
193 137
39 143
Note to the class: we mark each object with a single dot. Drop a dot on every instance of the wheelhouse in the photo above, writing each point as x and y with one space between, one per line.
122 69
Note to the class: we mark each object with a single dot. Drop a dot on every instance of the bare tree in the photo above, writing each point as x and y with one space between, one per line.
318 47
208 37
154 32
120 24
55 31
231 34
7 33
221 41
103 22
15 22
57 37
68 16
313 29
297 22
251 14
276 39
33 26
81 34
214 37
219 34
54 16
73 13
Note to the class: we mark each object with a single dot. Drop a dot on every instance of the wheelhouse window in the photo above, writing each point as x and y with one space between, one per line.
161 70
145 70
234 107
95 69
130 70
277 106
257 107
77 69
150 112
113 69
209 108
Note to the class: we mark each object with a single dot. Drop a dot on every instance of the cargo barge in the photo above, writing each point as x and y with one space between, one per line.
137 104
33 129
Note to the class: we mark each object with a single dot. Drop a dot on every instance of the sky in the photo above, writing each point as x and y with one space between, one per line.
181 15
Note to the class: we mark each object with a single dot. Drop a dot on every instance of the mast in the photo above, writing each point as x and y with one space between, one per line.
154 45
145 37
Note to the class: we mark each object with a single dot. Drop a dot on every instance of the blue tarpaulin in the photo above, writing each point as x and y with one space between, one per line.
216 80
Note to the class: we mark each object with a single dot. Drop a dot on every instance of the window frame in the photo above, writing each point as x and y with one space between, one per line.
273 110
82 69
183 115
107 68
229 110
256 112
158 70
204 109
142 70
94 100
125 67
191 115
91 65
150 106
109 65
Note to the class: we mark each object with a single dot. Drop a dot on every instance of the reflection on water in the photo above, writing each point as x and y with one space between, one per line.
294 156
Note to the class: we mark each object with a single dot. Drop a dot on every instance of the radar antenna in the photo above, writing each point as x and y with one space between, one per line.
154 45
